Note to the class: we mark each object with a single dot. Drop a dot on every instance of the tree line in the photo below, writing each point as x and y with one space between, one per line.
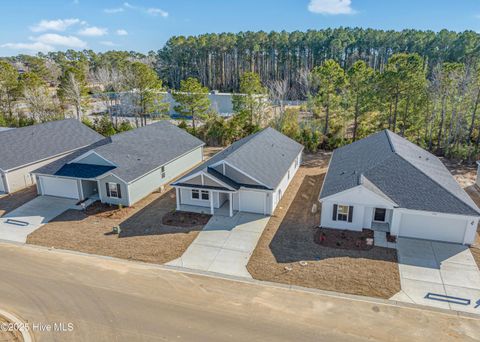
423 85
218 60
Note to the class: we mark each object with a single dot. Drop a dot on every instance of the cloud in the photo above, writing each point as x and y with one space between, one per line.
36 46
153 11
55 25
113 10
108 43
93 31
157 11
54 39
331 7
122 32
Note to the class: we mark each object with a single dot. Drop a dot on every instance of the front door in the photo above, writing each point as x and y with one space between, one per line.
380 214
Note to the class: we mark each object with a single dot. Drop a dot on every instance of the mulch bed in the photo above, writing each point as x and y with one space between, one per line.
344 239
185 219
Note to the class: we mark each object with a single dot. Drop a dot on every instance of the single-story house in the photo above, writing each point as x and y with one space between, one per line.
384 182
251 175
28 148
124 168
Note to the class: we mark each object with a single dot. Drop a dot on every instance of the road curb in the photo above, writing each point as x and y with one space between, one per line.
27 337
333 294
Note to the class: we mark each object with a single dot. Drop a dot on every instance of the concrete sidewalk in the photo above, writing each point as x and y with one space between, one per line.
35 214
224 245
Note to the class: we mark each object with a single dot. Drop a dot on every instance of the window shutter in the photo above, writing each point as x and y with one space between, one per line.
108 189
350 214
119 192
334 212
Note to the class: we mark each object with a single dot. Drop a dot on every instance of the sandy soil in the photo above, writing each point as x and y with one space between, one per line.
143 237
465 174
17 199
289 239
9 336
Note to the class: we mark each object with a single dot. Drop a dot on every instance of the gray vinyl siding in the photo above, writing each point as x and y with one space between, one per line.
152 181
123 189
93 159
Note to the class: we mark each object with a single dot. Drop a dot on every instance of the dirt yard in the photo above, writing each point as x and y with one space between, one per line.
288 242
9 336
143 237
17 199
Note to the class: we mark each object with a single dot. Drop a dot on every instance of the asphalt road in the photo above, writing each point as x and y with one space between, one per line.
110 300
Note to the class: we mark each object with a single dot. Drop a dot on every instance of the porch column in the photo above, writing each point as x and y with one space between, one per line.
230 198
211 202
177 195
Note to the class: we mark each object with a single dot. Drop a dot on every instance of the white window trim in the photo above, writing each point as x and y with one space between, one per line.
110 189
200 193
385 218
347 214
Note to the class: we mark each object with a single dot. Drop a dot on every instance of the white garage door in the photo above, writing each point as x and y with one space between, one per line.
59 187
252 201
439 227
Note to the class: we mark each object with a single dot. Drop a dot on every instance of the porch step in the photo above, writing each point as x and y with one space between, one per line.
89 201
380 240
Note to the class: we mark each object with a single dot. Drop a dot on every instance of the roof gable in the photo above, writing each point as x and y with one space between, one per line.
263 157
401 170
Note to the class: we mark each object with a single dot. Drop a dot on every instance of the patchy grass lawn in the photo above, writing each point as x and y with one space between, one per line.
143 236
13 201
288 241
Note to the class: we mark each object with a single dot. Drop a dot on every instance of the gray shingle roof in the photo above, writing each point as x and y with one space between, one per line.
27 145
405 173
139 151
265 156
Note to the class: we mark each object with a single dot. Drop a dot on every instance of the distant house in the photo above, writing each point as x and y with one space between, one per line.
386 183
25 149
251 175
124 168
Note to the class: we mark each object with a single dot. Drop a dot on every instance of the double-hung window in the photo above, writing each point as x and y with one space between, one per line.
201 194
113 190
342 213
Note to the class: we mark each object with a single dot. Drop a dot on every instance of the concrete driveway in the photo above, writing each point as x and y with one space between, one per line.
440 268
224 245
35 213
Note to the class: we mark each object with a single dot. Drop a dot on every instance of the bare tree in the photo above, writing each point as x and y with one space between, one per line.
108 83
40 103
72 91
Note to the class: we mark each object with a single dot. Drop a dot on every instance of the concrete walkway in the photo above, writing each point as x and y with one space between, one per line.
224 245
440 268
35 214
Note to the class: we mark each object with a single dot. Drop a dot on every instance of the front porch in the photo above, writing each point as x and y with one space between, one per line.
224 210
381 226
205 201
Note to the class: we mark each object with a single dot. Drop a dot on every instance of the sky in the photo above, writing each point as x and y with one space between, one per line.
29 26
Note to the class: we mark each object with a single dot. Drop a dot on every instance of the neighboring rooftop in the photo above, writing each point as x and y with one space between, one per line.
133 153
27 145
265 156
402 171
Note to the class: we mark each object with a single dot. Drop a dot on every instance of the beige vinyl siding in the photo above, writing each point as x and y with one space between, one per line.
20 178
